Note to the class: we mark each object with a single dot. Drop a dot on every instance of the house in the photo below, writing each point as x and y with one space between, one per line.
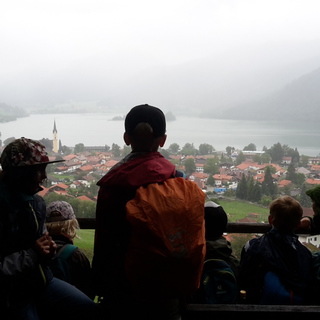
59 187
313 160
313 181
221 179
86 168
70 157
286 160
85 198
303 170
283 183
109 164
315 169
199 178
199 167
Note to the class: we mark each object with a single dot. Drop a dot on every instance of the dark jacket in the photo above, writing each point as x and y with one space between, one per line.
221 249
112 230
22 272
79 266
281 253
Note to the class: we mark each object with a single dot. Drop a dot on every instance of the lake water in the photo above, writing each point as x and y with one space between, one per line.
94 129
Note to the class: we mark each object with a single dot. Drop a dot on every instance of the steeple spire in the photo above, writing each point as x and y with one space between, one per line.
54 127
55 144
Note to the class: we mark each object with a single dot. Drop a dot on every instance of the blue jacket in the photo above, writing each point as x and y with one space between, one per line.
281 253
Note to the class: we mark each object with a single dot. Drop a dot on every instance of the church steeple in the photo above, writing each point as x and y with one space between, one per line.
55 142
54 127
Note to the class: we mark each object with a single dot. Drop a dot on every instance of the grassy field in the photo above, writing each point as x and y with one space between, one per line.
85 243
236 210
239 210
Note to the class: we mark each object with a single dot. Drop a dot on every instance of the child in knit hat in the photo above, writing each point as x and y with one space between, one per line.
62 226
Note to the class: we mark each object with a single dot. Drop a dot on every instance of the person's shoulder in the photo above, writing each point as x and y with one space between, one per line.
180 174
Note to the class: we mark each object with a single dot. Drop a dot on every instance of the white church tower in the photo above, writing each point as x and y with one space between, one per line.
55 142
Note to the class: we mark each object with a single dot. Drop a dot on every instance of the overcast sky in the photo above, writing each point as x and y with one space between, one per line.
39 37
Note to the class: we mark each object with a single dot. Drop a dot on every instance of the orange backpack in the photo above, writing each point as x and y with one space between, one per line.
167 243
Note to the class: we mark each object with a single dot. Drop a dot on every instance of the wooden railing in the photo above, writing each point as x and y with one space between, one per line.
236 311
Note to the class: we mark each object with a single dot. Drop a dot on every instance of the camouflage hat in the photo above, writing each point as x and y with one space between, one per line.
59 211
314 194
24 152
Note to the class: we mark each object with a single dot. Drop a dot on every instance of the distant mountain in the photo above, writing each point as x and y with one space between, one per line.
9 113
207 85
297 101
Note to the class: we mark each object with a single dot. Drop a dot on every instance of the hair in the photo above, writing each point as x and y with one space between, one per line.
286 213
63 227
142 138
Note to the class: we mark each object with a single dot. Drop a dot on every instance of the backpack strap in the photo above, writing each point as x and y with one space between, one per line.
66 251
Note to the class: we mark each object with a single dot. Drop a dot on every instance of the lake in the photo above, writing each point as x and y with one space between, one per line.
97 129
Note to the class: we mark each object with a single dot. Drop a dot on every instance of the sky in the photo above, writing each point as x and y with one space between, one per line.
63 48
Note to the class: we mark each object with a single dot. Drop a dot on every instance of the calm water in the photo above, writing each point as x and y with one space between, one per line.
98 129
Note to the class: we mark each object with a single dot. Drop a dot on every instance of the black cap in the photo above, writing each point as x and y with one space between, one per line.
146 114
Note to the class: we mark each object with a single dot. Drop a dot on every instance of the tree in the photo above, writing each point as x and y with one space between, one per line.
241 192
276 153
126 150
211 166
115 149
250 147
240 158
173 148
291 173
265 158
205 148
268 187
211 181
250 189
229 150
189 149
190 166
304 160
305 200
165 153
79 148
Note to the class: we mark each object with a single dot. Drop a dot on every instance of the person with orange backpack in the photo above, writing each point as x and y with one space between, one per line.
149 240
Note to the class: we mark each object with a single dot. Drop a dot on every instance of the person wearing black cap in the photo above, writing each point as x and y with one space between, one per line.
145 132
27 288
308 223
218 247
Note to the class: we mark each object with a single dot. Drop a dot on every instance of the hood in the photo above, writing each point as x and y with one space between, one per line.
139 170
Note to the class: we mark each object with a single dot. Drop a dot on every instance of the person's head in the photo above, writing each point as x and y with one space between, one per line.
23 163
145 128
216 220
314 194
285 213
61 220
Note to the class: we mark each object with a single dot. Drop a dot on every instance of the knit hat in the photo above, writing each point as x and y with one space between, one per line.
216 220
24 152
147 114
59 211
314 194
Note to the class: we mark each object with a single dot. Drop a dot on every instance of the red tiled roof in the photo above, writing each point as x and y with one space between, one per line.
85 198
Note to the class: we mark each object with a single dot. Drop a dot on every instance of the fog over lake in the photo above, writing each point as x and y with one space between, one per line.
98 129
